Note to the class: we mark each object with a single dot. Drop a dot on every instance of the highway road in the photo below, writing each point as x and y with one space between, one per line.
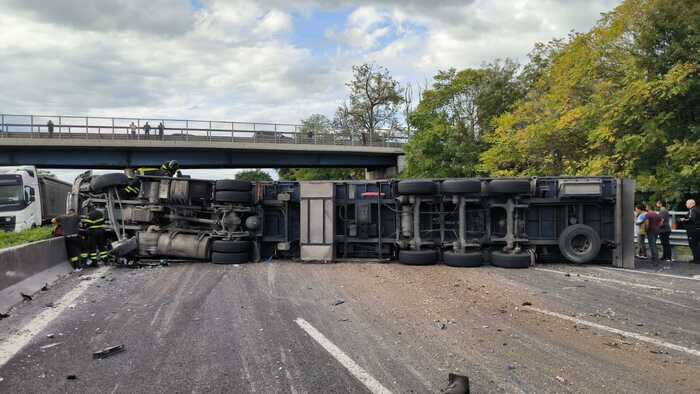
287 327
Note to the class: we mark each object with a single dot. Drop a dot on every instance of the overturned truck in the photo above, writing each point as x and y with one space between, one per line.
508 222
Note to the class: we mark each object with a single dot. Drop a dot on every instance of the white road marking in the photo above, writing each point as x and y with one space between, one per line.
12 345
619 282
634 335
371 383
696 277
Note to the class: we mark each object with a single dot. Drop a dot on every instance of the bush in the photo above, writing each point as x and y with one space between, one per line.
30 235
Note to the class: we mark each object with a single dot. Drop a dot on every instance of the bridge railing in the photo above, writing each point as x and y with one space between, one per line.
95 127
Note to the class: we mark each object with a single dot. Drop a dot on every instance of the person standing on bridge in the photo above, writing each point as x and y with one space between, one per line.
49 127
692 228
146 130
161 130
132 128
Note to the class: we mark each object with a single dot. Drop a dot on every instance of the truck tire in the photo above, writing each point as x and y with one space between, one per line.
579 243
102 183
417 257
469 259
230 246
461 186
508 186
230 258
233 185
414 187
509 260
228 196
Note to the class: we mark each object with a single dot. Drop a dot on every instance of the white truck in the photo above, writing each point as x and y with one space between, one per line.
29 198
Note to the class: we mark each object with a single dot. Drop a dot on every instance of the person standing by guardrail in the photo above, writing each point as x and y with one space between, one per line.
692 228
146 130
653 229
665 233
642 225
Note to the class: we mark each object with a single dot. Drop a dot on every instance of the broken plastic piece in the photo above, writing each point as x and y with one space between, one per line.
109 351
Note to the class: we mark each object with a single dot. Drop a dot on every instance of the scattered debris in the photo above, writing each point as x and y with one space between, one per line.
561 379
71 306
49 305
640 324
658 351
26 297
567 274
71 377
49 336
527 303
109 351
4 315
440 325
611 344
49 346
346 319
456 384
46 287
338 302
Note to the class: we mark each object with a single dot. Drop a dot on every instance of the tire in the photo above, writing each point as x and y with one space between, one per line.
233 185
230 246
470 259
508 186
228 196
461 186
104 182
230 258
579 243
417 257
416 187
508 260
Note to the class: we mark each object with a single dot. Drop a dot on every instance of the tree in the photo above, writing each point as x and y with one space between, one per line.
320 174
374 101
453 116
256 175
316 124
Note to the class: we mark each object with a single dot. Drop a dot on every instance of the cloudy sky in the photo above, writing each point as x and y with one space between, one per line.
266 61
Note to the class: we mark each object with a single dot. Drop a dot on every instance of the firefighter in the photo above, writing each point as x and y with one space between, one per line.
169 168
70 224
95 236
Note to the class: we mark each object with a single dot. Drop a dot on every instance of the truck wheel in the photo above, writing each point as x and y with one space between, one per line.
230 258
460 186
469 259
417 187
102 183
579 243
230 246
509 260
228 196
417 257
508 186
233 185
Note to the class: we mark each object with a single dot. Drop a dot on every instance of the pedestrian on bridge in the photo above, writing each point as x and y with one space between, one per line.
161 130
665 233
49 127
692 228
132 128
146 130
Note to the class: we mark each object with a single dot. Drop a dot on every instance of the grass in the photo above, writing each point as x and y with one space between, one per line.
30 235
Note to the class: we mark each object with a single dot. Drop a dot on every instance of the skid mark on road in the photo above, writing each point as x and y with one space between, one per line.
15 343
630 334
619 282
358 372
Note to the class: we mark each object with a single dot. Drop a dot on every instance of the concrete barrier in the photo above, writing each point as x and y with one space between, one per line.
26 268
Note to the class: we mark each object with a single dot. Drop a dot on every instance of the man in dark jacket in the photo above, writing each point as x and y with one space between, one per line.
70 224
692 228
655 223
665 233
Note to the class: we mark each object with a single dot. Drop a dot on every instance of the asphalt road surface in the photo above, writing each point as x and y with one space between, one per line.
357 328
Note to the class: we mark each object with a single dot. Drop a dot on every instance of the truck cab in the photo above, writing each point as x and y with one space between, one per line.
19 205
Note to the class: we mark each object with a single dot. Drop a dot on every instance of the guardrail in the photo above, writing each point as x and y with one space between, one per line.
677 237
94 127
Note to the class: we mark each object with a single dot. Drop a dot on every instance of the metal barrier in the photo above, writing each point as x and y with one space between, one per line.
93 127
677 238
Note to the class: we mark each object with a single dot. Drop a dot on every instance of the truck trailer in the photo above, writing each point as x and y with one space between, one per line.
507 222
29 198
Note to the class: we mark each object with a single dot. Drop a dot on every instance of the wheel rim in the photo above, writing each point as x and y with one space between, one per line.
581 244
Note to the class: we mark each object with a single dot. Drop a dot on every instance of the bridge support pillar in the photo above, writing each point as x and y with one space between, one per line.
387 172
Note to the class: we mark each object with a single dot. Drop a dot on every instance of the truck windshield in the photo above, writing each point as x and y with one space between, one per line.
11 193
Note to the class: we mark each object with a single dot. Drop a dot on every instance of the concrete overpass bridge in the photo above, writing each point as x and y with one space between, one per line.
111 143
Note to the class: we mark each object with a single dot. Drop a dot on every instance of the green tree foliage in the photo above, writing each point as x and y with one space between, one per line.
454 115
320 174
256 175
622 99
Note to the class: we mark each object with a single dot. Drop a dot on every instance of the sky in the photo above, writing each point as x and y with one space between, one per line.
263 61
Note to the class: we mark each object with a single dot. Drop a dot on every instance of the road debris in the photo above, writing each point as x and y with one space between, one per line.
45 287
49 346
108 351
338 302
440 325
561 379
4 315
658 352
456 384
49 305
527 303
72 377
49 336
26 297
